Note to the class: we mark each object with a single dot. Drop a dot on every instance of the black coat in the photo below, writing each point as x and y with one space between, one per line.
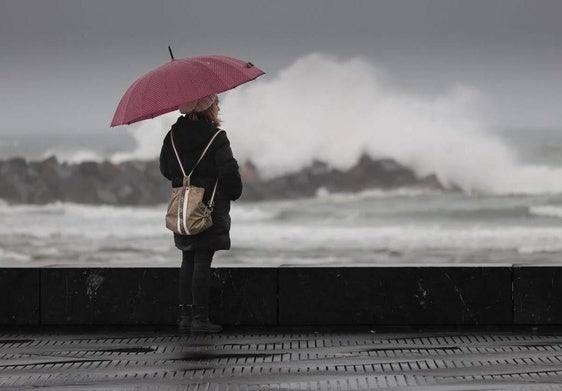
190 138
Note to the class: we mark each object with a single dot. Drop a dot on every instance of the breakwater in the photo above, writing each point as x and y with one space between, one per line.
141 183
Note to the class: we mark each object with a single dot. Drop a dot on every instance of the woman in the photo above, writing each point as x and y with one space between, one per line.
192 132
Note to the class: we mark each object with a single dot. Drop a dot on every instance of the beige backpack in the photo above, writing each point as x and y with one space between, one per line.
187 213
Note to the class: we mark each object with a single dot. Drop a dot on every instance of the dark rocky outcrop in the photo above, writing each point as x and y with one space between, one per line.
140 182
128 183
367 173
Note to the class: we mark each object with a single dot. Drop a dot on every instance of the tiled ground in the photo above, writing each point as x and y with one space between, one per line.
351 360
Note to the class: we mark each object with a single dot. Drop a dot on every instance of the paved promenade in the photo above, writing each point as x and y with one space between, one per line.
270 359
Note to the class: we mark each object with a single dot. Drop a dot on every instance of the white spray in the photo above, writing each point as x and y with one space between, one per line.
321 108
148 135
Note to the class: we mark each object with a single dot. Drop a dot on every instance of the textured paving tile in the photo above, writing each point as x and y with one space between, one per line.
281 361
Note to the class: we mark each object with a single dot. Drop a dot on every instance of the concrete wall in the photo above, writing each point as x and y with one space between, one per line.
425 295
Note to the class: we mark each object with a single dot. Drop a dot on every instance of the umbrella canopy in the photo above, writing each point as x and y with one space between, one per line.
180 81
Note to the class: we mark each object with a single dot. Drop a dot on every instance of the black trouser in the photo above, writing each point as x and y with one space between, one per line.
195 276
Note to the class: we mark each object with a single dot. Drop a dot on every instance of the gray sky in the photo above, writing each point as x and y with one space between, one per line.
65 64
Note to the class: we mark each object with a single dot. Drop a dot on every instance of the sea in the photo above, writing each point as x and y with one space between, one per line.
403 226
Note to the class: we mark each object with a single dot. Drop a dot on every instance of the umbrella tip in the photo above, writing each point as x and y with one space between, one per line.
171 54
249 65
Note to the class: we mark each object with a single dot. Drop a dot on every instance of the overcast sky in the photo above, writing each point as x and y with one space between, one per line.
65 64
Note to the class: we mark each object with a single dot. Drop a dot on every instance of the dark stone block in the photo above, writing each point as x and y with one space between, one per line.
149 296
537 295
244 296
109 295
395 295
19 290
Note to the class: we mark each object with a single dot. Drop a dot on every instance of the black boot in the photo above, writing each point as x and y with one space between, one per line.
200 322
184 323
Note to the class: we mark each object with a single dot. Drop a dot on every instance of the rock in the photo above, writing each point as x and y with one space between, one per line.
22 183
141 183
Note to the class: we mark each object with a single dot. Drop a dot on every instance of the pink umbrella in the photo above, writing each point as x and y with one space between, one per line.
180 81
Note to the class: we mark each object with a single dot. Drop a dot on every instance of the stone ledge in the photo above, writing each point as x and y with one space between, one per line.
149 296
395 295
19 296
537 295
288 295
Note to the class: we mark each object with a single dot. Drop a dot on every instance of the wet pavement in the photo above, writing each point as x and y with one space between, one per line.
270 359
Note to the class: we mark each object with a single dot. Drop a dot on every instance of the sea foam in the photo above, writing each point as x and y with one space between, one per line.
547 210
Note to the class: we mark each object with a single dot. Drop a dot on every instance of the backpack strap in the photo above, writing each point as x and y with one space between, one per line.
205 150
212 199
176 152
200 157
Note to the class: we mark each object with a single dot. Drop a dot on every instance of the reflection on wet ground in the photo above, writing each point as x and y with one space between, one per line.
273 359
